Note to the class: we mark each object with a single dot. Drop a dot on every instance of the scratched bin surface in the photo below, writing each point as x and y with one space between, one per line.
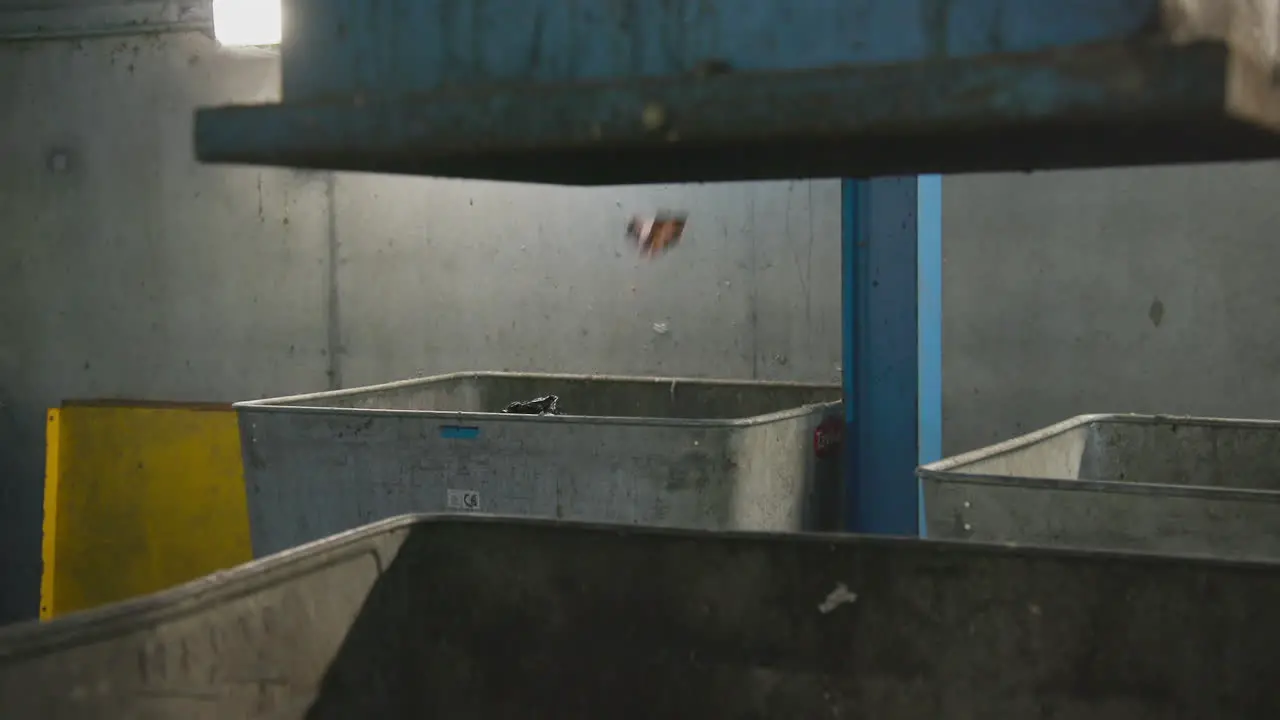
651 451
469 617
1180 485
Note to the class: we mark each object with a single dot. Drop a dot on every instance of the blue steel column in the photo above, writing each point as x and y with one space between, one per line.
892 302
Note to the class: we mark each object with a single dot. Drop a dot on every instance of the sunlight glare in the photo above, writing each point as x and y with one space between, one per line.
242 23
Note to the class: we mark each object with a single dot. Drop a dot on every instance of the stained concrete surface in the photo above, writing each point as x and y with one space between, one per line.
1136 290
440 276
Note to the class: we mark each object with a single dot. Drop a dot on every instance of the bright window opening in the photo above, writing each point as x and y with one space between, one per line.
246 23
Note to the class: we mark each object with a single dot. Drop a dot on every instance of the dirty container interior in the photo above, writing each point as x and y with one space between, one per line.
498 618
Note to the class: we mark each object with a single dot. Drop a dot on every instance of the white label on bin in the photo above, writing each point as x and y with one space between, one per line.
463 500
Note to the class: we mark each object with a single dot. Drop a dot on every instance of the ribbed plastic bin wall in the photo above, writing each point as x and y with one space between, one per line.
702 454
1178 485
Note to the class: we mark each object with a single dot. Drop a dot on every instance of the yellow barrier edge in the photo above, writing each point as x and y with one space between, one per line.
49 540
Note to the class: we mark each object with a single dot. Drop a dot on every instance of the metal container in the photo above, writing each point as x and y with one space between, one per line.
1178 485
481 618
706 454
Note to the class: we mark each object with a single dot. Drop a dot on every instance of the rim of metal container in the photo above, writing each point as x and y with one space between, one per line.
143 612
946 469
289 403
225 585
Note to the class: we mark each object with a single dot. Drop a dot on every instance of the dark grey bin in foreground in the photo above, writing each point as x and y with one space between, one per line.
1180 485
496 619
709 454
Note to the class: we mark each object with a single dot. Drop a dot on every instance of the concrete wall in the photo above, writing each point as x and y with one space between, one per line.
128 270
1149 290
437 276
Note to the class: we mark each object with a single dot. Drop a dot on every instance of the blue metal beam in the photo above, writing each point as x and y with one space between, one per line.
343 48
646 91
892 301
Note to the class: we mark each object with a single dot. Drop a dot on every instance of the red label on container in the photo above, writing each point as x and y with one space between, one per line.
827 437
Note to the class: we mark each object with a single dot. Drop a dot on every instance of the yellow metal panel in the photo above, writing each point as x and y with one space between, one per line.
48 541
147 497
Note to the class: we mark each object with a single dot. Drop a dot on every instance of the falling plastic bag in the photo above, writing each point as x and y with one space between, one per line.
657 235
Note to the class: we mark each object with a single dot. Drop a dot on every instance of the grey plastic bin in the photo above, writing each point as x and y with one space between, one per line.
1178 485
705 454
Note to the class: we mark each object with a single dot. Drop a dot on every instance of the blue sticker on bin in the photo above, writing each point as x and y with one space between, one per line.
459 432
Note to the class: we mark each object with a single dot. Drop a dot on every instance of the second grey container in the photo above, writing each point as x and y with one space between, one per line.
1176 485
699 454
